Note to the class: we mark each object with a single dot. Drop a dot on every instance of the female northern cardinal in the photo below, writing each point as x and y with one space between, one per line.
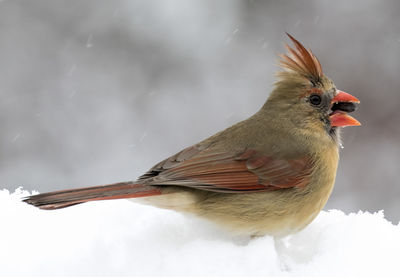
269 174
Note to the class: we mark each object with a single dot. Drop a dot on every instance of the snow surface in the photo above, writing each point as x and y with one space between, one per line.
121 238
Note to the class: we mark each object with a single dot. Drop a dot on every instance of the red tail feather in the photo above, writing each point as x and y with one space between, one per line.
66 198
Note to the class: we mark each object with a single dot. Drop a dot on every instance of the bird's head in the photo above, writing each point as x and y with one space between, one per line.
306 97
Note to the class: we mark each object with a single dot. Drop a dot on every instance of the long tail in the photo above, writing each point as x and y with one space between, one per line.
65 198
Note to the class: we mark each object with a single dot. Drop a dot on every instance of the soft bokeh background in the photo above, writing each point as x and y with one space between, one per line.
95 92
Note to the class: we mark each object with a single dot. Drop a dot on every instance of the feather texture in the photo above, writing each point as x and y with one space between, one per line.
248 171
70 197
301 61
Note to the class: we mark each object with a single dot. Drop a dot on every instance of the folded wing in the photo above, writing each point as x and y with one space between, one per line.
230 172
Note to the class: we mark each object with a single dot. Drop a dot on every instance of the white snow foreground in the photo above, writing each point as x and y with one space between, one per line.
121 238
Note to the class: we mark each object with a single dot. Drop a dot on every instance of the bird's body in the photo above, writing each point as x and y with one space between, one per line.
276 211
269 174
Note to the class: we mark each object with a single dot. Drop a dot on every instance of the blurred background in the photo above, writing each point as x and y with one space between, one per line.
94 92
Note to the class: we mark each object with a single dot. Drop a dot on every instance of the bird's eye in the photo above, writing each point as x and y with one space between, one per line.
315 99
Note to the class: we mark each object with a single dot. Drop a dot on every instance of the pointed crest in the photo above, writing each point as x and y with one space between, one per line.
302 61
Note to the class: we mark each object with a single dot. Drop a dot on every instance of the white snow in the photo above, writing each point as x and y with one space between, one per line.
121 238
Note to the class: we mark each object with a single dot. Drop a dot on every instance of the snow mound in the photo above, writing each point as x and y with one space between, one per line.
121 238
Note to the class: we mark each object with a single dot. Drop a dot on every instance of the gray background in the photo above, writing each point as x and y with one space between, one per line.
95 92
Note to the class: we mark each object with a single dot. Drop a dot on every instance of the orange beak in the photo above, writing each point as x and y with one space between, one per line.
341 105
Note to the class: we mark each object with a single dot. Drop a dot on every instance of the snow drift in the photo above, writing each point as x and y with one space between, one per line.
121 238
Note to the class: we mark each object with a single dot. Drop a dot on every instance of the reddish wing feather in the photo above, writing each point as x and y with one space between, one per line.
226 172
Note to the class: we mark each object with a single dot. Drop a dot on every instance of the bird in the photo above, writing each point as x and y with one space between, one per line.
270 174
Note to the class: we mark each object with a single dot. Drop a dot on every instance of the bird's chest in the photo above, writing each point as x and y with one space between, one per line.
315 196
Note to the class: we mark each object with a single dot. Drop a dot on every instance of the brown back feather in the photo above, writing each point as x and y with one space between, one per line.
301 61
